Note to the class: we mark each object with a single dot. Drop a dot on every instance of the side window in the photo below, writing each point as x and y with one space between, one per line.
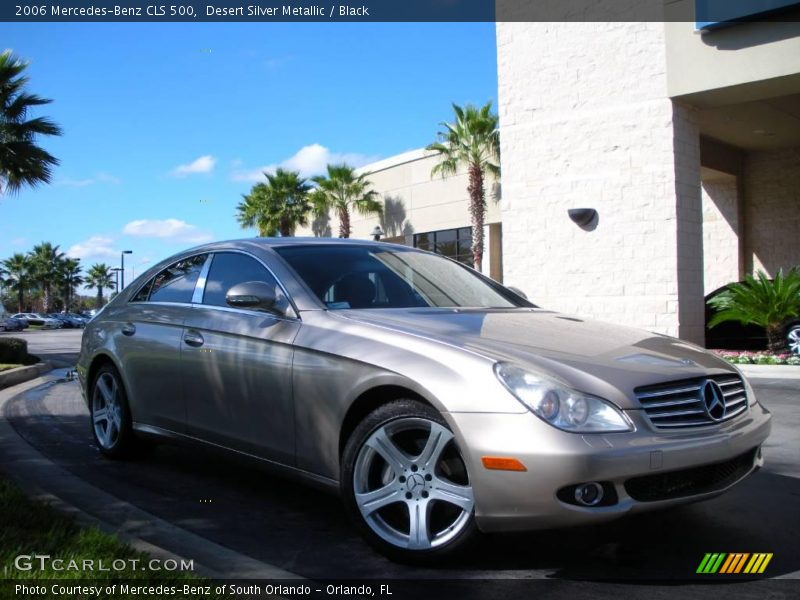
176 283
142 294
230 268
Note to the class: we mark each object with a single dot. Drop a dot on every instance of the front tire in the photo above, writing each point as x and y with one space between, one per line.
111 421
406 485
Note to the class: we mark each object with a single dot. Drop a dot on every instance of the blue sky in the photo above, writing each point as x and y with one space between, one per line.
167 125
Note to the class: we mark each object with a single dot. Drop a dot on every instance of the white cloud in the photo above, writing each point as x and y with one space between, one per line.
98 178
309 160
97 247
202 164
175 229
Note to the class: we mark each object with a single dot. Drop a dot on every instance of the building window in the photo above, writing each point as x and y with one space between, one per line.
453 243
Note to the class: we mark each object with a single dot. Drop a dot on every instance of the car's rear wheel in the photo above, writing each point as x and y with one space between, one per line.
112 425
406 485
793 338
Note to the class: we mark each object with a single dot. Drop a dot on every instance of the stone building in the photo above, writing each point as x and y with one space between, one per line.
686 145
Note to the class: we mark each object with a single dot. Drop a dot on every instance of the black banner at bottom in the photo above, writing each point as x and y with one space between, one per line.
411 589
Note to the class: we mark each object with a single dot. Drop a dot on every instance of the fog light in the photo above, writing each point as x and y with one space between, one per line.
589 494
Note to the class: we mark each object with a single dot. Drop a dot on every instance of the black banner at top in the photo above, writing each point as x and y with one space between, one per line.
377 10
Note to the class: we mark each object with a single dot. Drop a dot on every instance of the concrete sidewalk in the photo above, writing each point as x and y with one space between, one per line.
42 480
771 372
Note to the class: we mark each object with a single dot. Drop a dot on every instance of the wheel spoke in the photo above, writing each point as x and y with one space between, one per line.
435 445
369 502
383 445
418 533
107 433
101 415
459 495
105 391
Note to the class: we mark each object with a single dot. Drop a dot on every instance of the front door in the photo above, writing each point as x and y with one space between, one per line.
236 366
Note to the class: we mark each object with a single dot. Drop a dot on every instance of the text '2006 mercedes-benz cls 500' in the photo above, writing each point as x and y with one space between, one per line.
437 401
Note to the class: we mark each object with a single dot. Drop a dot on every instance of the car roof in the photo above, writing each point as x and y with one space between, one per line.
278 242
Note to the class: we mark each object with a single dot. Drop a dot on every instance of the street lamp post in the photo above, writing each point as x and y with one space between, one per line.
122 265
116 277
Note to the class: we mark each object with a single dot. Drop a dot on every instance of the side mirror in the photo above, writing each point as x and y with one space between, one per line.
253 295
517 291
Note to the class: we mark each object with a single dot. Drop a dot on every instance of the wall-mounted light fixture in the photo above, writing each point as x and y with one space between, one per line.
582 217
377 233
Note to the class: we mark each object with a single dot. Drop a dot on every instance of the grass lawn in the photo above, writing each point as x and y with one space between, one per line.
5 367
32 528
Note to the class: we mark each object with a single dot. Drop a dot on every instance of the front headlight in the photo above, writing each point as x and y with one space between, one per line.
560 406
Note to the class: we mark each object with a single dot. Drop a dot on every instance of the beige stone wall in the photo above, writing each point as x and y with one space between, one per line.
720 232
589 124
737 58
772 201
415 202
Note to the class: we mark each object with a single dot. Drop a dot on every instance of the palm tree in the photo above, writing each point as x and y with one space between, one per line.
99 276
472 141
22 162
70 277
761 301
277 206
344 191
45 260
17 276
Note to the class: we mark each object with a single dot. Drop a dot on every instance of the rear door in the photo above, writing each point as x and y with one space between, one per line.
148 339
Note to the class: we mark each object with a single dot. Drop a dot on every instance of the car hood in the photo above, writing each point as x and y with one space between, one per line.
594 357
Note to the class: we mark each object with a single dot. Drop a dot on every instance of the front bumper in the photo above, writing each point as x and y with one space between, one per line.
509 500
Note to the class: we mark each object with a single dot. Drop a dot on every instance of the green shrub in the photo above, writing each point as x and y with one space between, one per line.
13 350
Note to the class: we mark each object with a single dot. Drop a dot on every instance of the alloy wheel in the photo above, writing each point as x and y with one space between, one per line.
411 485
107 410
793 340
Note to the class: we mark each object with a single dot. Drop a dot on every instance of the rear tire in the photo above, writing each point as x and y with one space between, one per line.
406 485
110 415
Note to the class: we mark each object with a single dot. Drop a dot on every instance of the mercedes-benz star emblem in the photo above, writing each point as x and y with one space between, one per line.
714 400
415 481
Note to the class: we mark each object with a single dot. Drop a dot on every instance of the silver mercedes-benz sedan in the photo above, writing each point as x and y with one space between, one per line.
437 402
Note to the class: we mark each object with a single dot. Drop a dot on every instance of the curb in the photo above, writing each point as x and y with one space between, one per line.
45 481
23 374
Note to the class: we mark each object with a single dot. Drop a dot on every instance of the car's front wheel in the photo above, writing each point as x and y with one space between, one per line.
406 485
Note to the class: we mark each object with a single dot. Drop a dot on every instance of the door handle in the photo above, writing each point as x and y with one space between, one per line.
193 338
128 329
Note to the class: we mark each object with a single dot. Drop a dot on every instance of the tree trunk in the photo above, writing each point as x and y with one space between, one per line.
286 228
344 223
776 343
99 297
20 300
46 298
477 211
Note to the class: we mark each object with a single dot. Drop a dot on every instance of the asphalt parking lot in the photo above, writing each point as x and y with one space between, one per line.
242 507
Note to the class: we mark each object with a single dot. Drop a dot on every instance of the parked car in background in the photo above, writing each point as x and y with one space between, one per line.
435 400
732 335
39 319
12 324
69 321
82 318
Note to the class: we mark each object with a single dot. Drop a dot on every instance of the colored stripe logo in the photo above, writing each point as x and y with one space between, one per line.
734 563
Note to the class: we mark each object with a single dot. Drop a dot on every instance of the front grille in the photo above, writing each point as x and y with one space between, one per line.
690 482
682 403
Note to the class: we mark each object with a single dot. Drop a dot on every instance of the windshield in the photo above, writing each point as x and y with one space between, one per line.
382 277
